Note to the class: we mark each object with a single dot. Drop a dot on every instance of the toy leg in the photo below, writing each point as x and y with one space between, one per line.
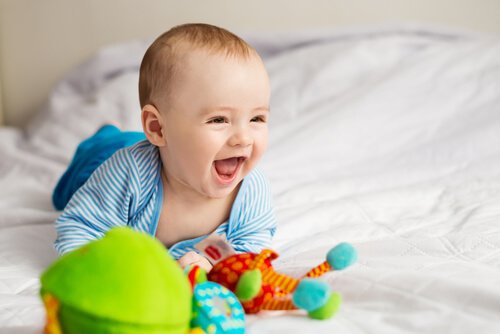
319 270
316 298
317 306
338 258
285 283
278 304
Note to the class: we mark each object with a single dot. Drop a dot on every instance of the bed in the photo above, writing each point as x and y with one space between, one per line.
387 138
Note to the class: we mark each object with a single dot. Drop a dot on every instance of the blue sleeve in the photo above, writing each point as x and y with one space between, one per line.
252 223
106 200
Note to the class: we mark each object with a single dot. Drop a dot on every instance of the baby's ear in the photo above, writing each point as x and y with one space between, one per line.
152 125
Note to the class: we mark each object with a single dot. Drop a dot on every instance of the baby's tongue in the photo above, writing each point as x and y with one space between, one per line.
226 166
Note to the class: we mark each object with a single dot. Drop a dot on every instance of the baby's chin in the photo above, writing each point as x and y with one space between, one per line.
215 191
227 191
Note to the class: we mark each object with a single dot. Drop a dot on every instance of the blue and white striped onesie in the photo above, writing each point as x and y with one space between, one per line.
126 190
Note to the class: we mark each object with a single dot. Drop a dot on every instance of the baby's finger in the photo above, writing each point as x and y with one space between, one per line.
188 259
203 263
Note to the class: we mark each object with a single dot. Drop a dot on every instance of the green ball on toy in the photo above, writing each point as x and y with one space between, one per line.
123 283
329 309
249 285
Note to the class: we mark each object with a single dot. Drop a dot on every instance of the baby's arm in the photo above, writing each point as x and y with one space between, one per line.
254 240
101 203
256 223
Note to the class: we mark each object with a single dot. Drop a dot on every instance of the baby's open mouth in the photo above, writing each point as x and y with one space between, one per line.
227 168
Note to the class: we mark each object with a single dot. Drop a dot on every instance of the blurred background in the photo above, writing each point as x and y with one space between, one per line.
40 40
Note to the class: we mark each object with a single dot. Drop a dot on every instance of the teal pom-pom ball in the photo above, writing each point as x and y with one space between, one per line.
311 294
342 256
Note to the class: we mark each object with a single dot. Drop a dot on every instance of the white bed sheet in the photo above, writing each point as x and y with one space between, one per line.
388 138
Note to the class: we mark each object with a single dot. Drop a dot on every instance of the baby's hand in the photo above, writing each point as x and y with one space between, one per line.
194 259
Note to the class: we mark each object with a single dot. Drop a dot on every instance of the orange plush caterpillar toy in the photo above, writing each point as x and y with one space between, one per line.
253 279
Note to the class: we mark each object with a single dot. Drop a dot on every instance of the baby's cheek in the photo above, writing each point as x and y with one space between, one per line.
261 147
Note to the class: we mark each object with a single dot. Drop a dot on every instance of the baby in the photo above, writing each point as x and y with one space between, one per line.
204 94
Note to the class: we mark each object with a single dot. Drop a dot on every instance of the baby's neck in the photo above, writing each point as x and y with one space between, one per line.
185 215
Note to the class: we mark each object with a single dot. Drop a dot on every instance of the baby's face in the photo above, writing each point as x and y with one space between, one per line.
216 123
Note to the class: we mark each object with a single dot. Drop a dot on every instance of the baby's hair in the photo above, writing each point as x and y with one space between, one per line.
159 63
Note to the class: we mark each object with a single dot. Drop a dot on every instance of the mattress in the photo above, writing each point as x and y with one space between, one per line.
387 138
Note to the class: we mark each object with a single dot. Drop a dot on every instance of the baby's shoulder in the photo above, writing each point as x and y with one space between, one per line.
255 188
256 179
140 160
254 196
142 150
142 155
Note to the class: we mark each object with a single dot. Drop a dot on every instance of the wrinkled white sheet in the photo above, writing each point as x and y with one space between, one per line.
386 138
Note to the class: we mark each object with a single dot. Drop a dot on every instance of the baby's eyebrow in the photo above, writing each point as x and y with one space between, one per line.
229 108
263 108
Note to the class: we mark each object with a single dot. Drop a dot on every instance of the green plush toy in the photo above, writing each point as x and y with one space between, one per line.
123 283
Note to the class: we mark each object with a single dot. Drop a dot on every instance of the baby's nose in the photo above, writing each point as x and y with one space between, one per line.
240 138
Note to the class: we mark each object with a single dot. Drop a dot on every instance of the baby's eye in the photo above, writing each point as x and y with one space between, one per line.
260 119
217 120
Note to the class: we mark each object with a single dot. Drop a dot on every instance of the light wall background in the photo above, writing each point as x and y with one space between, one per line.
40 40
